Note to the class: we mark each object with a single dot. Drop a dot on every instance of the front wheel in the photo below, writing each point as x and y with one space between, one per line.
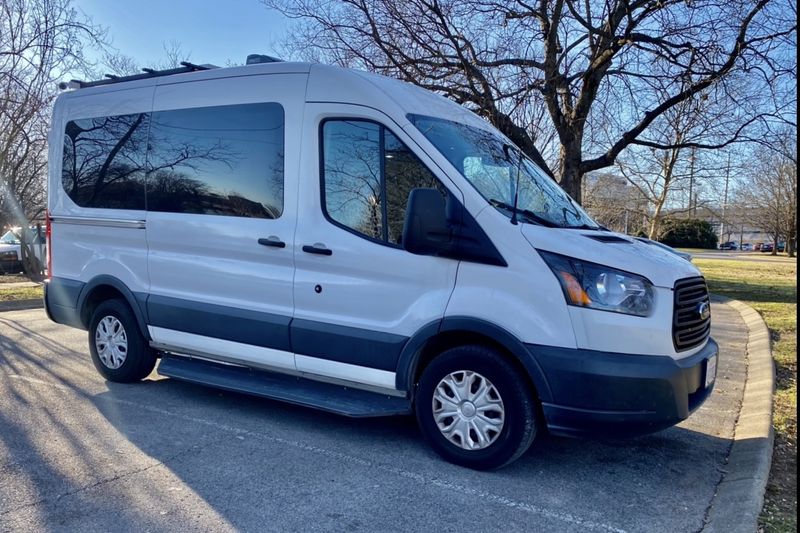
119 351
475 409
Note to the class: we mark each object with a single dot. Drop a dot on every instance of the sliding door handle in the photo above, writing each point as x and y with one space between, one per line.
317 248
273 241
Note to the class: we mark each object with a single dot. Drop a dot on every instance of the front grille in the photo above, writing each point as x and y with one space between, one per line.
689 328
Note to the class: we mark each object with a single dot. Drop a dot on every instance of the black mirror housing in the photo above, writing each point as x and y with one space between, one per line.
426 230
440 226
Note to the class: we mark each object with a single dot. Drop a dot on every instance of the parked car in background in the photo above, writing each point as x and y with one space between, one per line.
682 255
781 246
767 247
758 246
730 245
747 247
11 249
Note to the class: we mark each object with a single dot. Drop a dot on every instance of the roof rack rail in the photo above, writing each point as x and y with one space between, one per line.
147 73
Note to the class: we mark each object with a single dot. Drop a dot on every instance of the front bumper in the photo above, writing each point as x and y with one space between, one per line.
603 393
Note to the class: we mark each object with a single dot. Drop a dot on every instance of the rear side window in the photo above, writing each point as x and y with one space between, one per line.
224 160
104 161
367 175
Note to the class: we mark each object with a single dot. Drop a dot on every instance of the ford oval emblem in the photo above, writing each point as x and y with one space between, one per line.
704 310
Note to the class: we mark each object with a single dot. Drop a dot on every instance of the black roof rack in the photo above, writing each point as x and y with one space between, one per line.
255 59
147 73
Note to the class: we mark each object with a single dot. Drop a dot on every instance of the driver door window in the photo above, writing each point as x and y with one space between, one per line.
367 174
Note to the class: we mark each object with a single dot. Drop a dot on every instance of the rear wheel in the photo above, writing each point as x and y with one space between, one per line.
119 350
475 409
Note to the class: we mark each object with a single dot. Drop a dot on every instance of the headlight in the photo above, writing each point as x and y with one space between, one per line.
600 287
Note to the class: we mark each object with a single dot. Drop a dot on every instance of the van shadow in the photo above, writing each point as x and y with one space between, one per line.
250 459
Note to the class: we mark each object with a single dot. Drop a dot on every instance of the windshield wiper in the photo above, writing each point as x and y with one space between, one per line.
527 213
587 226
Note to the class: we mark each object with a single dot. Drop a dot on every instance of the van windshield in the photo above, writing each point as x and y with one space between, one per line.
490 164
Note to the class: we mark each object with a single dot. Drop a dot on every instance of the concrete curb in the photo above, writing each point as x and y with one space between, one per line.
19 305
737 503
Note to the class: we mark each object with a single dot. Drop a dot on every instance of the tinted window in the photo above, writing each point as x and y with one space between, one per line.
367 176
103 161
352 175
404 172
225 160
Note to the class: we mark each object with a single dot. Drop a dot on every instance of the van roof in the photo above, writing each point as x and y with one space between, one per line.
326 84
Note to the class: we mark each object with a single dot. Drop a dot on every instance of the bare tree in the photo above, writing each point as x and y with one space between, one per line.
661 172
601 72
118 63
771 191
614 203
39 41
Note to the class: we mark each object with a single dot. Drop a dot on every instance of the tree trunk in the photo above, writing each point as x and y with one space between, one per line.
655 223
571 176
521 138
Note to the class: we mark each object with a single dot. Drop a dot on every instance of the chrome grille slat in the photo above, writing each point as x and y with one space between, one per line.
689 329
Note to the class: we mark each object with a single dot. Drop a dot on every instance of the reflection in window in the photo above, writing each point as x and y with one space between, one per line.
368 174
224 160
352 175
103 161
494 167
404 172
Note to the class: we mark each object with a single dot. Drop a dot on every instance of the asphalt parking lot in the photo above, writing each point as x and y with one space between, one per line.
80 454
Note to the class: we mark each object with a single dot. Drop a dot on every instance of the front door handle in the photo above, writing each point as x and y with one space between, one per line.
317 248
273 241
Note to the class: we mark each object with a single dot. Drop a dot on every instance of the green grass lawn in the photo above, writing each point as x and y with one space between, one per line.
771 289
8 294
12 278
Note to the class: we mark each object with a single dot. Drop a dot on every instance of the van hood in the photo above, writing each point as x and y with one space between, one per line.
611 249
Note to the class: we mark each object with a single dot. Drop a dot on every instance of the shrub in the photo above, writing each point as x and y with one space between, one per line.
688 233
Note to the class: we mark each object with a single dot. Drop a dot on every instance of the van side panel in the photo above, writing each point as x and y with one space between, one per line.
91 241
526 302
215 272
358 304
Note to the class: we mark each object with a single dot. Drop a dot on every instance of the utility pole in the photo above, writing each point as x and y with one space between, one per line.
725 199
691 183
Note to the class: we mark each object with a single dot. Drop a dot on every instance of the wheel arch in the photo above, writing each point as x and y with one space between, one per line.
105 287
450 332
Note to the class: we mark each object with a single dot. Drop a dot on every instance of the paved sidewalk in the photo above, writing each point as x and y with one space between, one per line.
740 496
18 284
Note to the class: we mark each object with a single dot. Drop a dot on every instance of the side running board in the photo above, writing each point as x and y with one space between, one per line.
308 393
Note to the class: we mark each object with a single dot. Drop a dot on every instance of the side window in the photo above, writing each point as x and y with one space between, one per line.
404 172
104 161
367 175
224 160
352 175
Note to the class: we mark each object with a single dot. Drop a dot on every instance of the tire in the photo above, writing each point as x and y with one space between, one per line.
515 415
113 325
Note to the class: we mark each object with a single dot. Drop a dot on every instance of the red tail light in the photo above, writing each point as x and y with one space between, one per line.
49 242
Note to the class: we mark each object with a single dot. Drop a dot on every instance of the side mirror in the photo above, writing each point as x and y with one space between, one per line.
426 230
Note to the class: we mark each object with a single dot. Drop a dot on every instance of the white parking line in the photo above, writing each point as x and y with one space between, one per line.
422 479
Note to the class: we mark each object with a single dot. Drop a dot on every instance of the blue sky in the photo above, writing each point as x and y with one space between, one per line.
211 32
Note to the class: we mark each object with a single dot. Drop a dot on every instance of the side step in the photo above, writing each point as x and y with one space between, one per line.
308 393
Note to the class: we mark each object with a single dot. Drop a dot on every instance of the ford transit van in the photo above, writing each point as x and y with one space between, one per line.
355 244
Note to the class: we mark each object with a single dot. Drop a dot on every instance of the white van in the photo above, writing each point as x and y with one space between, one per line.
349 242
